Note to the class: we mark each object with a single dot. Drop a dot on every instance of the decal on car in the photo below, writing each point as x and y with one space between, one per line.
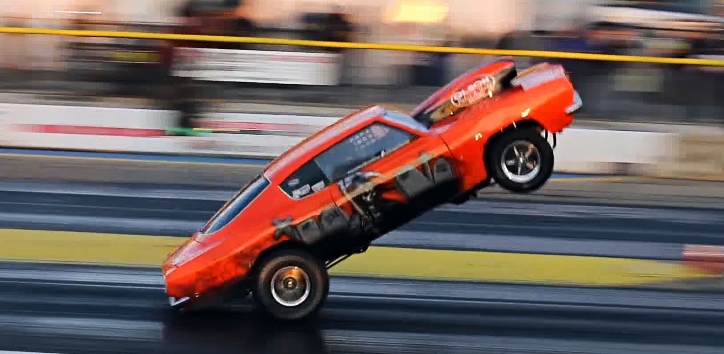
473 93
357 189
330 221
372 198
318 186
283 227
301 191
413 182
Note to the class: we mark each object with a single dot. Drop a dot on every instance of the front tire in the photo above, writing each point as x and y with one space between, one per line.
291 284
521 160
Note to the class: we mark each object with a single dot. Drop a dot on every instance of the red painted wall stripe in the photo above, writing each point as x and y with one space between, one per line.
90 130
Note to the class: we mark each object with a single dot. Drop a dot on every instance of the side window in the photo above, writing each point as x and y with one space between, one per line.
307 180
360 148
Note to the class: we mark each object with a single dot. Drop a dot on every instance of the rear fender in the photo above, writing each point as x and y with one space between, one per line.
522 124
288 244
548 105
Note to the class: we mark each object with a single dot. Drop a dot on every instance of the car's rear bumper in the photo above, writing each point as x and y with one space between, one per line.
576 105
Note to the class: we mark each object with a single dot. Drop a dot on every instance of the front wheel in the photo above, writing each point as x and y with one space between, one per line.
521 161
291 284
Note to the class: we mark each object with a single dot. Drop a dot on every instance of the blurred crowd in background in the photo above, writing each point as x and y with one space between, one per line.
188 76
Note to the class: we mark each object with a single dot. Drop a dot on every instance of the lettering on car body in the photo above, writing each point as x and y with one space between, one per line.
473 93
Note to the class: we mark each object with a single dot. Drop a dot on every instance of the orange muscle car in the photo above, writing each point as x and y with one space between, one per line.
331 195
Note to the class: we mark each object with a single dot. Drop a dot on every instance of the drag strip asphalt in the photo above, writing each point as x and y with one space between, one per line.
98 310
229 173
490 224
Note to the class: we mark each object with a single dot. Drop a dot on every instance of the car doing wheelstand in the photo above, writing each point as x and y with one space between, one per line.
330 196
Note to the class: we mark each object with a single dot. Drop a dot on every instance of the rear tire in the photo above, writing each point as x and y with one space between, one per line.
291 284
521 160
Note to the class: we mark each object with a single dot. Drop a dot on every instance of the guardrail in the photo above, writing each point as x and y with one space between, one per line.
373 46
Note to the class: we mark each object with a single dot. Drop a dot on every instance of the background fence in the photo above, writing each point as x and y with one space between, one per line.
191 73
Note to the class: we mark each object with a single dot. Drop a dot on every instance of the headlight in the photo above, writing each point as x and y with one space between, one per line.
187 252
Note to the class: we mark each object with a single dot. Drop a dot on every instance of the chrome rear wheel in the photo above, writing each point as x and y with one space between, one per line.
290 286
520 161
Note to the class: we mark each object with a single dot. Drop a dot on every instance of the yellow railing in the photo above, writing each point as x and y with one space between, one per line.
375 46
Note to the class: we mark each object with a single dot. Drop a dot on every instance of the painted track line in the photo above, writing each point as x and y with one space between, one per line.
104 157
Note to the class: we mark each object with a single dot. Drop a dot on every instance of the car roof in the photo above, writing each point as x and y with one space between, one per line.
308 148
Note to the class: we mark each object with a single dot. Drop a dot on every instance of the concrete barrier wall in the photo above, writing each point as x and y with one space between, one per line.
697 157
579 150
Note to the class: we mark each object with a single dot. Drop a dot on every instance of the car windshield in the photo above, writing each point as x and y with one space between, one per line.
236 205
404 119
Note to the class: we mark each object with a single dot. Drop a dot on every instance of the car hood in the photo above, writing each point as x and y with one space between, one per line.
444 94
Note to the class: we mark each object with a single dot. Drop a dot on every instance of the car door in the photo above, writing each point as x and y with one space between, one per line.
386 174
306 207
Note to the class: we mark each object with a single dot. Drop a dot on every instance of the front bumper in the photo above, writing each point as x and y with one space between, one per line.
177 301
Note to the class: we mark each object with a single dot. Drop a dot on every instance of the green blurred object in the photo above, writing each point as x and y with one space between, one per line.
136 56
188 131
200 131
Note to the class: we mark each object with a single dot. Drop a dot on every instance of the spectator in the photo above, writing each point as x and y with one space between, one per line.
185 93
313 24
242 26
338 28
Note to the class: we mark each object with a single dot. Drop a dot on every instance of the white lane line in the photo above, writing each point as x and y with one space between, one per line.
16 352
476 207
84 277
87 327
585 211
109 191
157 226
79 285
105 207
365 289
384 342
